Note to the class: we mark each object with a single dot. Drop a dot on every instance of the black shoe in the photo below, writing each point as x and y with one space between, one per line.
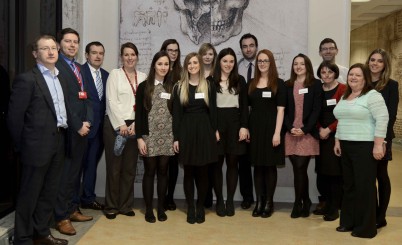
50 240
306 208
331 216
343 229
220 208
191 215
320 209
149 216
129 213
230 210
296 211
259 206
200 217
246 204
268 209
93 205
110 215
169 204
381 224
162 215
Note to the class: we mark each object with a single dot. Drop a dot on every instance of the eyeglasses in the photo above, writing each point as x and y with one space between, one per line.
48 49
173 50
328 49
262 62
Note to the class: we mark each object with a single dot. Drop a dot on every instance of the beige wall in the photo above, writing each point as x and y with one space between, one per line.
383 33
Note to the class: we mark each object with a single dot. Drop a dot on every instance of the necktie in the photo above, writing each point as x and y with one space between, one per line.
77 73
249 71
98 84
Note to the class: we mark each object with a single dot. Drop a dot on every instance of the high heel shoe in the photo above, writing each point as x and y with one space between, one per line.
191 215
162 215
268 209
259 205
200 216
220 208
297 210
230 210
306 208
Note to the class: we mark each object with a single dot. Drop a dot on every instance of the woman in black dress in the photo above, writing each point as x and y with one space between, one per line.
172 47
194 130
380 69
231 101
328 165
267 100
154 132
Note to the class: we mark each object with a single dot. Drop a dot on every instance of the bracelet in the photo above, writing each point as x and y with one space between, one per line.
384 142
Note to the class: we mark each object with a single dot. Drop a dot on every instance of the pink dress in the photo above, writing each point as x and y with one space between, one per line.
305 145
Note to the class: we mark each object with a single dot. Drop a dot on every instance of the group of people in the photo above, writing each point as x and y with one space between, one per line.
198 115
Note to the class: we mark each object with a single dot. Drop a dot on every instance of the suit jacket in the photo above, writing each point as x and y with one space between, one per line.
98 106
311 108
32 117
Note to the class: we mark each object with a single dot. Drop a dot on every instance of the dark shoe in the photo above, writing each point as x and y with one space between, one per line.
200 217
110 215
129 213
320 209
149 216
306 208
49 240
296 211
93 205
77 216
162 215
220 208
343 229
65 227
381 224
169 204
191 215
246 204
259 206
331 216
268 209
230 210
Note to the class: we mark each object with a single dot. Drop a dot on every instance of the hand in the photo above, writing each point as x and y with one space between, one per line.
324 133
85 129
142 147
176 146
131 129
337 148
296 132
378 151
243 134
123 129
218 137
276 140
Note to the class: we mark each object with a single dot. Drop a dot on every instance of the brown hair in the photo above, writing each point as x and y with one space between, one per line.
386 72
309 72
272 73
367 79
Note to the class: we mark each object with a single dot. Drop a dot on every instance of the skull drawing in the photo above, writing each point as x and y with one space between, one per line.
213 21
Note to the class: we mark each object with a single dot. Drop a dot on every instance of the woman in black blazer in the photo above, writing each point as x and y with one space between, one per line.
302 110
380 68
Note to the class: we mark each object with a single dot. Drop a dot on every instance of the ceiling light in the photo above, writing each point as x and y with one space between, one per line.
360 1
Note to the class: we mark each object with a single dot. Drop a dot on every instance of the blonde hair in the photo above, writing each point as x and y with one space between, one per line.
183 84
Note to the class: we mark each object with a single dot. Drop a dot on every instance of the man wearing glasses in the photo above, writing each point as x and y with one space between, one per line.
328 50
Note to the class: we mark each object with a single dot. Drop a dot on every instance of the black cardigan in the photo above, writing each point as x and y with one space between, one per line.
311 108
390 93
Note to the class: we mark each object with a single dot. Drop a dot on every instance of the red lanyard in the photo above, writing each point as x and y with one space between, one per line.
135 83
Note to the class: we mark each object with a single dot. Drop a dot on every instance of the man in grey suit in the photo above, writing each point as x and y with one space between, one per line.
37 120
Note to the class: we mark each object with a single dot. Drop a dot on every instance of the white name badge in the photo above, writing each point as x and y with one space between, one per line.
165 96
303 91
266 94
199 96
331 102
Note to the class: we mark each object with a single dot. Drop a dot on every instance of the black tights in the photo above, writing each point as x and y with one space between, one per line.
173 174
152 165
300 165
265 178
231 176
199 175
384 189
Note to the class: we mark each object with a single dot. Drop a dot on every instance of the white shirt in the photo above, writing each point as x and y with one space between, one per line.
243 67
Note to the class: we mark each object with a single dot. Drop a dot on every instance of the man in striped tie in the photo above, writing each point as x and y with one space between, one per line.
77 134
96 77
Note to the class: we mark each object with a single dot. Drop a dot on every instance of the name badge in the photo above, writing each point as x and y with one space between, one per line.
165 96
331 102
82 95
266 94
303 91
199 96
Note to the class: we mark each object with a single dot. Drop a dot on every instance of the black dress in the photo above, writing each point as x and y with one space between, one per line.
194 127
262 123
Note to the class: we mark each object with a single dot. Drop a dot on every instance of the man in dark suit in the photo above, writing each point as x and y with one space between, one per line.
37 120
79 127
96 78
